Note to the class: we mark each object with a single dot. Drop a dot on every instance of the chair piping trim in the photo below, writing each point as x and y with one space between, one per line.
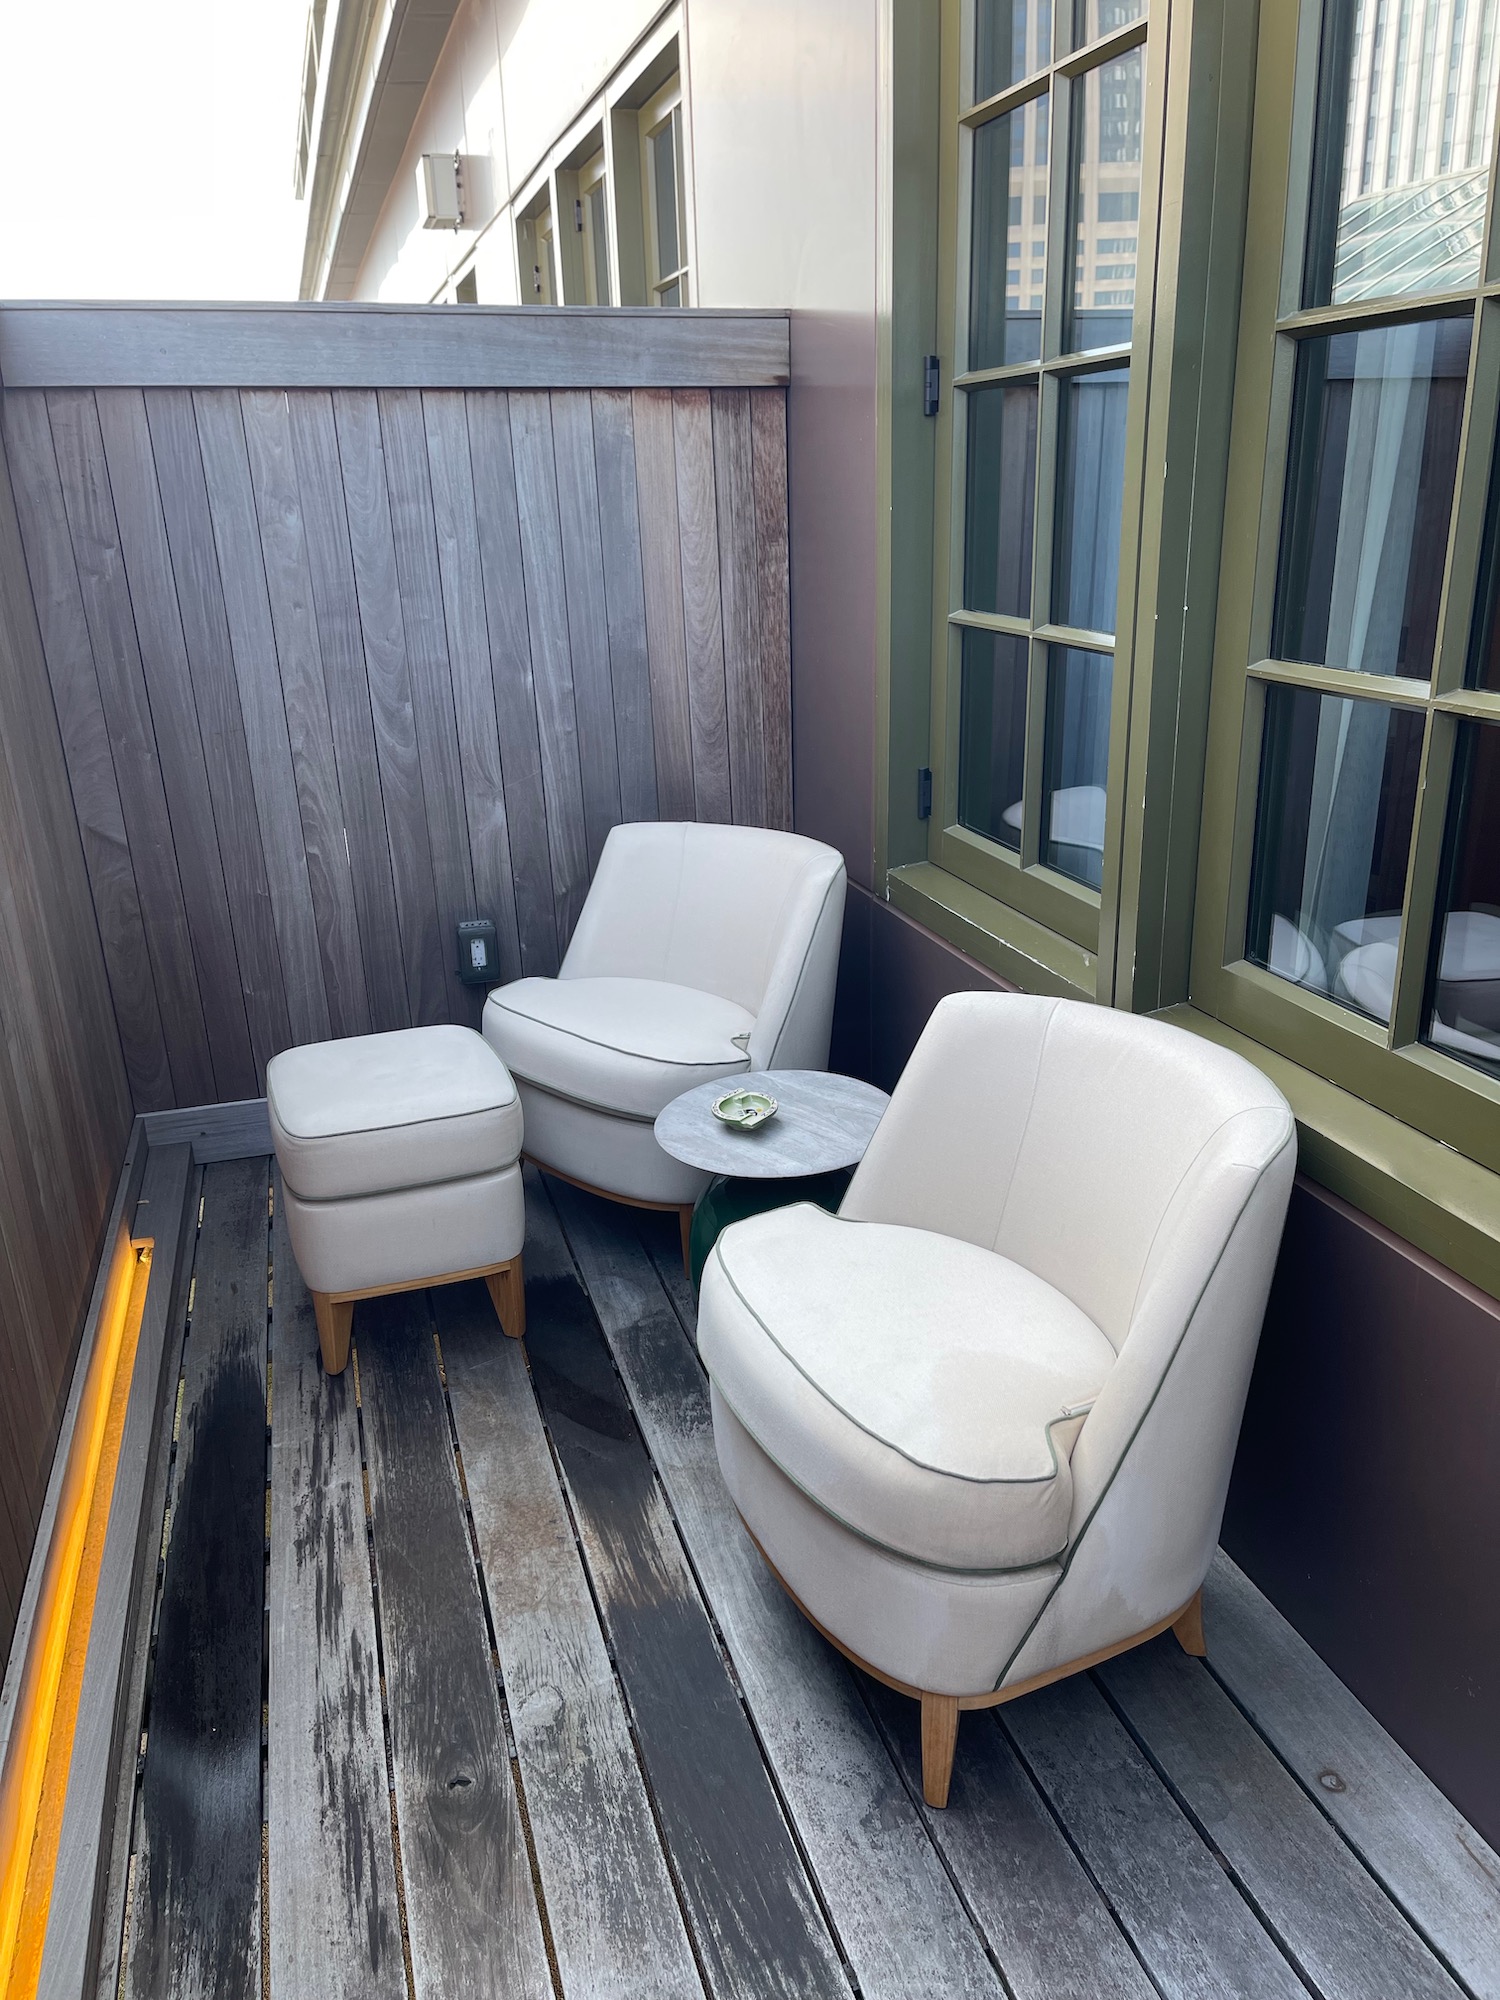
812 938
667 1062
938 1471
873 1541
401 1125
1077 1543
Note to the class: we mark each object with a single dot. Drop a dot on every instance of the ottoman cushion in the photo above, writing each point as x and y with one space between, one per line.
375 1113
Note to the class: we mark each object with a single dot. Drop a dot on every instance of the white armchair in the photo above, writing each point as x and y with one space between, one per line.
981 1422
700 952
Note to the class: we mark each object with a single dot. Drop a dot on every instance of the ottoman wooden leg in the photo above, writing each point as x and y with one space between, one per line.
335 1318
507 1288
685 1224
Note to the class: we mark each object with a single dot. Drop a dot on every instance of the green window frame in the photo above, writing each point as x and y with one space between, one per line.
1031 868
1282 339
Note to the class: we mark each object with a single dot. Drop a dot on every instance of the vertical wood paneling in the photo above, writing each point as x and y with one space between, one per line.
409 489
703 628
625 600
588 623
510 668
661 568
117 663
205 628
551 654
383 632
334 671
469 666
174 725
346 687
278 504
64 1093
231 505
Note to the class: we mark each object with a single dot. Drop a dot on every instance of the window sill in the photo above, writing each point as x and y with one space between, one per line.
1015 946
1422 1190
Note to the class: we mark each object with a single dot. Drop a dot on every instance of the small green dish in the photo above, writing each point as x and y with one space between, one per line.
744 1109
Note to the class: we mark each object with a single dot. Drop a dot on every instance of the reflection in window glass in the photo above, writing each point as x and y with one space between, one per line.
1093 18
1001 498
1106 182
1369 488
992 735
1076 762
1008 237
1333 820
1406 116
1464 982
1012 39
664 190
1090 499
1484 659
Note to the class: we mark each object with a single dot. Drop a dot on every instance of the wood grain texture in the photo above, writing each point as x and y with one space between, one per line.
375 660
1342 1931
1197 1937
471 1913
355 346
773 568
333 1919
609 1895
858 1824
194 1926
1415 1843
753 1913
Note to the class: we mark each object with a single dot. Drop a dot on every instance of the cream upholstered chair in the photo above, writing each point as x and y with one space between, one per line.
981 1422
701 951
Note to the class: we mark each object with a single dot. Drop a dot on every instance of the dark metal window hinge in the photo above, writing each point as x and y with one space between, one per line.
578 216
924 793
930 386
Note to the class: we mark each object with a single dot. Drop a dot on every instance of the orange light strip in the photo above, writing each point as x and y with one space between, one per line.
34 1785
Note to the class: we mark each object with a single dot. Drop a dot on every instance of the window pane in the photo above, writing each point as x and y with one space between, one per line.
1000 500
1093 18
1106 183
669 295
992 735
598 244
1369 491
1406 117
664 187
1090 499
1464 993
1338 787
1484 653
1008 237
1012 39
1076 762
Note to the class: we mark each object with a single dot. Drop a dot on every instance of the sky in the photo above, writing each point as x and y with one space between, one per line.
146 149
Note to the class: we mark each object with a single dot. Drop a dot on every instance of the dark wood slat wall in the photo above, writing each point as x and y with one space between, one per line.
336 669
64 1101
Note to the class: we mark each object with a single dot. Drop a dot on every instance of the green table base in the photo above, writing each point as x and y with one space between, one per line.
727 1200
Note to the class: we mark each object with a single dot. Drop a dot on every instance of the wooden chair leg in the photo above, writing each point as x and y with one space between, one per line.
335 1319
1189 1629
939 1738
507 1288
685 1224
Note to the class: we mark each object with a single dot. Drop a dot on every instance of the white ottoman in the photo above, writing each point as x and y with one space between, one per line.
400 1159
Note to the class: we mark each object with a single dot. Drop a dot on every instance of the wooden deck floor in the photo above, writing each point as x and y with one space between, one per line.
466 1680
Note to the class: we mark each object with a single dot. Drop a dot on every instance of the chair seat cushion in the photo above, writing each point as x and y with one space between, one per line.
377 1112
627 1046
917 1387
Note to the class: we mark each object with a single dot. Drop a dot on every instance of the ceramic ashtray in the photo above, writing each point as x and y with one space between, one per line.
744 1109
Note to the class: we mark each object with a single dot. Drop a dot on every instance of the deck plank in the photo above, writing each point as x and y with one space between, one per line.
867 1845
748 1900
333 1919
608 1892
1046 1922
471 1912
195 1917
1341 1928
1197 1936
1416 1844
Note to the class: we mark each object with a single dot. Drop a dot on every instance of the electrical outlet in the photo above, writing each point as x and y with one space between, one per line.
478 959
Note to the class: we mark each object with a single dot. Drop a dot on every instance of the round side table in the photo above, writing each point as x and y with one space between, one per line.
805 1153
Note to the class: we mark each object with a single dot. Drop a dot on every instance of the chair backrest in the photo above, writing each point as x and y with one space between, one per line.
745 912
1080 1141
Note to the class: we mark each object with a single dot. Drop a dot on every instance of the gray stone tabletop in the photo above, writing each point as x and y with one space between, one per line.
824 1122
